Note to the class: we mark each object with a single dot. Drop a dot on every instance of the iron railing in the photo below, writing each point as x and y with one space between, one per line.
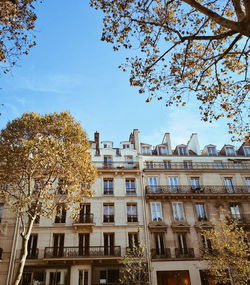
132 218
186 189
85 219
81 252
241 218
108 218
184 253
161 254
116 165
33 254
196 165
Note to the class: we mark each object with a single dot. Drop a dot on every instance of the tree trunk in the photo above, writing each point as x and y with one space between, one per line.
24 250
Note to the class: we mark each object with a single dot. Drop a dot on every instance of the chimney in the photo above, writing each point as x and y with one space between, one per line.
193 144
137 140
167 140
97 146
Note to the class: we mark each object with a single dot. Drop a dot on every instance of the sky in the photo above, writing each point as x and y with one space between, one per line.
71 69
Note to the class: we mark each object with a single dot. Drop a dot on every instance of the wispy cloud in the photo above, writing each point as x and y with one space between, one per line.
181 123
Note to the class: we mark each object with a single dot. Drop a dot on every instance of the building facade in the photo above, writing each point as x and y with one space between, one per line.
160 196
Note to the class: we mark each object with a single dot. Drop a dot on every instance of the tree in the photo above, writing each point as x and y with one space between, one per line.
134 266
17 21
186 48
228 257
45 165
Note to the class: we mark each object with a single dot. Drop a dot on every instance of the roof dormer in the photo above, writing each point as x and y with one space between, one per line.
107 144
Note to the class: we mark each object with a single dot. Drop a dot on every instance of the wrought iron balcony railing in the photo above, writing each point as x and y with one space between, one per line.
116 165
130 191
160 253
184 253
108 218
32 253
241 218
81 252
186 189
85 219
132 218
196 165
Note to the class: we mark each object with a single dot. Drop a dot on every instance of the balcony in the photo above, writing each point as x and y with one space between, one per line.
82 252
167 191
164 254
116 165
195 165
85 221
241 219
32 253
184 253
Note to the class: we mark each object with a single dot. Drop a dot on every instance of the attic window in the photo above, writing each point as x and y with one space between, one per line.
162 150
230 151
182 150
146 150
125 146
247 150
211 150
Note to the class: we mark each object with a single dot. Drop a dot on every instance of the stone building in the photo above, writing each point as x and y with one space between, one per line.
168 193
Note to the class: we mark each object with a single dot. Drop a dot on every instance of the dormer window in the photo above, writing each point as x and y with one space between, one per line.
124 146
211 150
182 150
247 150
146 150
105 145
230 151
162 150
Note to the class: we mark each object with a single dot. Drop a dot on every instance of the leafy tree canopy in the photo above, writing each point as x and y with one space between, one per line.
17 21
186 47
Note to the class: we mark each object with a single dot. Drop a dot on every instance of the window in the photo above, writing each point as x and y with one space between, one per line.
108 186
124 146
146 150
247 150
156 211
55 278
228 182
195 184
132 212
218 164
247 181
108 213
182 150
162 150
187 164
83 243
60 214
167 164
32 247
159 244
83 277
235 211
58 245
129 161
133 240
106 276
200 212
206 243
109 243
230 151
182 242
173 182
211 150
61 187
1 253
130 186
1 212
108 161
85 214
149 164
153 183
178 211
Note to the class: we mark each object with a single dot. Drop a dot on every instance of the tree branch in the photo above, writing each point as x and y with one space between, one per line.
238 9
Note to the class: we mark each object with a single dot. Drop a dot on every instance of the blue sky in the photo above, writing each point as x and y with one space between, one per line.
71 69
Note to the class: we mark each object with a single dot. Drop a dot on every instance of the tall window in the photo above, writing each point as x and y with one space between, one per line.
130 186
108 161
83 277
32 247
159 243
132 212
206 243
108 184
174 183
228 182
109 243
182 150
108 213
85 215
60 214
182 242
235 211
1 212
195 183
149 164
58 244
129 161
247 181
153 183
211 150
188 164
133 240
83 243
200 212
178 211
156 211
